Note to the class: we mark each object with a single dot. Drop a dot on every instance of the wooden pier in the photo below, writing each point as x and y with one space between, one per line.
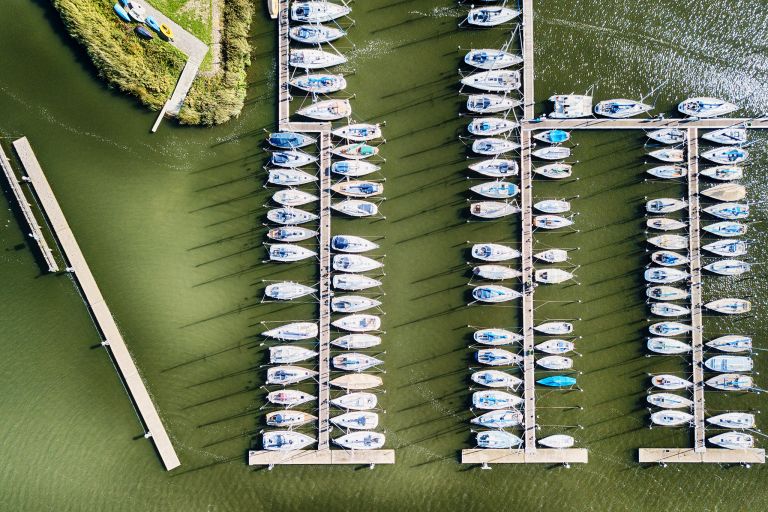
113 340
651 123
26 210
324 376
529 100
283 76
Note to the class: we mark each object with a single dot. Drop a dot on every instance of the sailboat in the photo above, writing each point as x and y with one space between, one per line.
554 171
501 80
557 441
554 328
288 215
555 346
669 329
319 83
358 188
494 293
496 167
496 379
671 242
356 341
669 401
555 362
733 440
726 228
552 276
497 440
317 11
729 306
287 354
728 136
705 107
552 136
285 375
552 153
353 303
726 155
490 103
287 290
665 205
358 401
291 233
289 177
289 253
489 126
315 34
668 309
356 208
491 16
668 258
285 440
355 381
551 221
666 293
671 418
290 140
496 189
557 381
500 418
358 132
293 331
728 211
723 172
353 168
493 209
292 158
355 362
731 343
359 322
353 282
327 110
663 224
621 108
491 59
306 58
293 197
729 364
496 272
356 420
670 382
289 397
668 155
289 418
726 192
667 346
491 399
494 252
352 244
733 420
668 135
552 206
495 336
355 151
728 267
552 255
497 357
668 172
493 146
731 382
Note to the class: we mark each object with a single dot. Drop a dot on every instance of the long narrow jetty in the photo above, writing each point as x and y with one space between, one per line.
529 100
283 49
324 376
26 210
113 340
653 123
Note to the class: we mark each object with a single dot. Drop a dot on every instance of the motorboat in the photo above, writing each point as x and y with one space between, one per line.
496 168
554 171
666 293
356 420
500 80
358 132
495 336
353 303
354 263
667 346
496 189
289 177
733 440
355 362
315 34
317 11
728 211
489 126
289 397
728 136
669 329
723 172
726 192
314 59
552 136
493 209
496 272
731 343
555 362
728 267
356 341
733 420
671 418
358 401
670 382
292 158
351 243
554 328
663 224
668 135
500 418
290 140
729 306
359 322
497 440
731 382
621 108
293 331
668 155
552 276
552 255
289 215
493 146
494 293
288 253
668 172
726 228
355 151
551 221
491 59
285 440
319 83
355 381
668 258
135 10
557 441
668 309
729 247
353 282
494 252
289 418
356 208
552 153
557 381
358 188
705 107
570 106
726 156
287 290
327 110
497 357
293 197
287 354
490 103
555 346
669 401
492 399
285 375
671 242
496 379
291 233
665 205
729 364
491 16
552 206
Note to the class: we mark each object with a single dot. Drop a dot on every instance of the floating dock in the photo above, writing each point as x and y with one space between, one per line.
113 340
651 123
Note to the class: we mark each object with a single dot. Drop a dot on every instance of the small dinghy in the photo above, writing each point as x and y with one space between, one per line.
557 441
290 140
668 155
288 215
315 34
557 381
669 401
551 222
286 354
285 375
726 192
488 126
490 103
621 108
289 418
726 228
727 247
665 205
731 382
552 255
493 209
496 379
497 440
555 362
493 293
289 397
733 440
552 153
285 440
358 188
669 329
552 206
316 11
355 362
666 293
288 253
728 211
135 10
291 234
728 136
501 418
353 304
501 80
668 172
729 306
554 171
494 252
726 155
494 336
570 106
353 282
293 331
663 224
671 418
728 267
356 208
357 341
355 151
496 272
361 440
668 258
667 346
496 168
673 242
733 420
327 110
668 309
668 136
491 59
723 172
314 59
552 276
731 343
358 132
552 136
354 381
554 328
353 168
358 323
359 401
289 177
292 158
357 420
319 83
729 363
353 244
491 146
496 189
121 12
670 382
491 399
705 107
293 197
491 16
555 347
287 290
497 357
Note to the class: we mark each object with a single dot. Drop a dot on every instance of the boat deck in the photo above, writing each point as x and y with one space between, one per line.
103 318
539 456
709 456
321 457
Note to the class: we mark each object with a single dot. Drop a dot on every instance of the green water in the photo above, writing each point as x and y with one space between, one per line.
171 226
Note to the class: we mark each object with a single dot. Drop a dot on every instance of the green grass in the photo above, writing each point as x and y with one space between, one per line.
189 19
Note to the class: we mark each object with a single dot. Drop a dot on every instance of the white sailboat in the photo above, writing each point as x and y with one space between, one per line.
317 11
356 420
666 293
497 440
668 155
733 420
670 382
557 441
292 158
493 146
352 244
728 267
554 328
491 16
354 263
668 172
285 375
725 363
729 306
731 343
358 188
554 171
494 293
555 362
319 83
353 282
496 167
500 418
570 106
495 336
669 329
287 354
668 258
290 216
353 303
552 206
726 156
663 224
289 397
289 177
552 152
289 418
551 221
552 255
358 132
488 59
667 346
733 440
496 272
356 208
726 192
327 110
671 418
490 126
306 58
353 168
497 357
315 34
490 103
500 80
555 346
552 276
288 253
668 135
293 197
492 399
293 331
493 209
726 228
671 242
728 136
728 211
669 401
356 341
705 107
731 382
621 108
358 401
496 379
359 322
723 172
665 205
355 362
668 309
355 381
285 440
287 290
496 189
494 252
